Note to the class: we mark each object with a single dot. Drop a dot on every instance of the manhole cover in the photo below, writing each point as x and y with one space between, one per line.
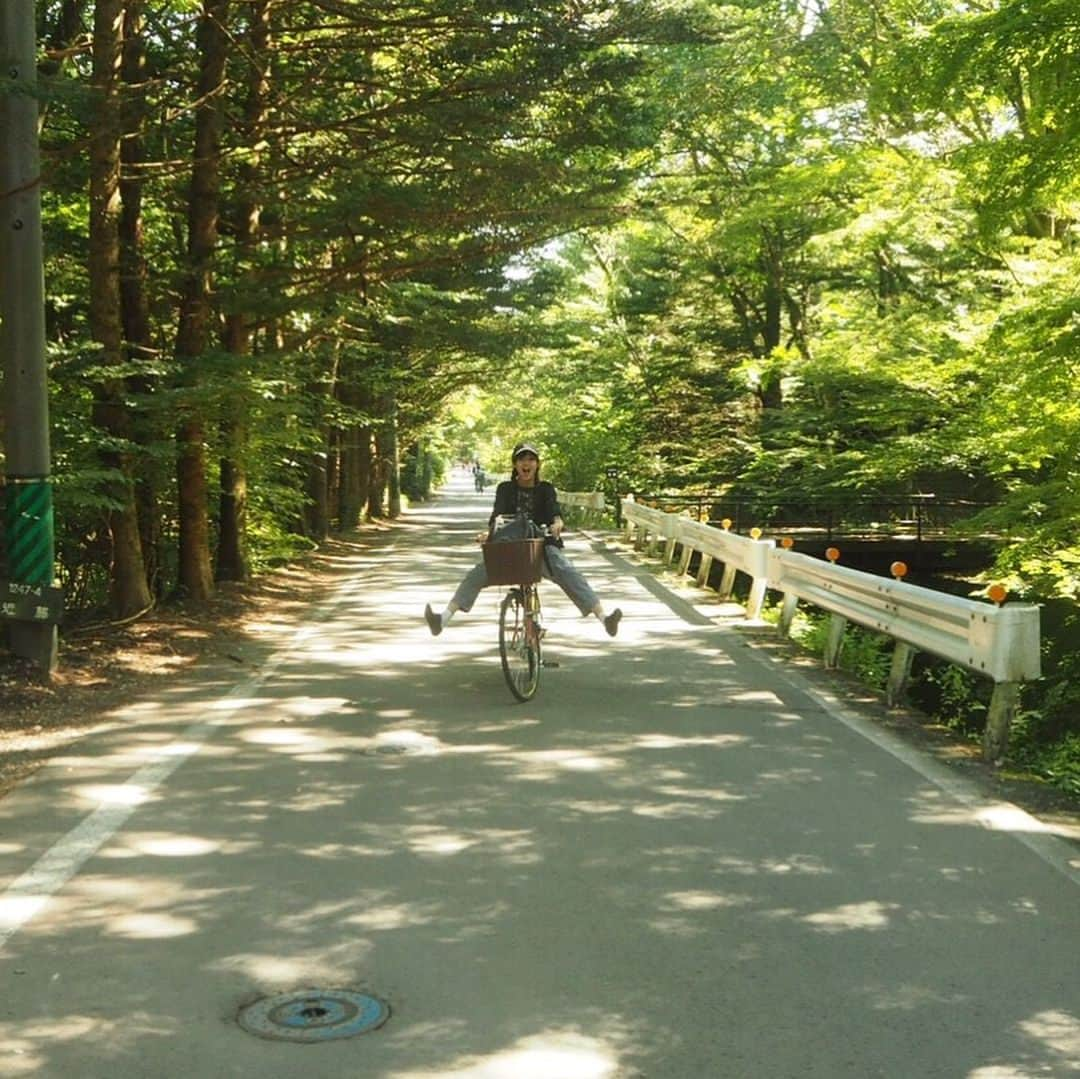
314 1015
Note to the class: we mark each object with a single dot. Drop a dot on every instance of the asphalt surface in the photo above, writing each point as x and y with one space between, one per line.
680 861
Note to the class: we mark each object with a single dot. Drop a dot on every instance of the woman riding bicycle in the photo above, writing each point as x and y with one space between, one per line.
526 495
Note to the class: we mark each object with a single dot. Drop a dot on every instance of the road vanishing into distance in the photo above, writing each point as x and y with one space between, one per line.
684 859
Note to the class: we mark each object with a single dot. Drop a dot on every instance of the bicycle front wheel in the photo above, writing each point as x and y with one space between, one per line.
519 646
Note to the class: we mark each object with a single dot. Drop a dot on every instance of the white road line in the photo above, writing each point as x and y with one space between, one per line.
1000 816
28 895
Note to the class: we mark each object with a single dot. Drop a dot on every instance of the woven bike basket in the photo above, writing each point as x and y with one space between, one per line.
514 561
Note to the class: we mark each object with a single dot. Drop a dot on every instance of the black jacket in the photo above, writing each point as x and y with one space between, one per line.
545 503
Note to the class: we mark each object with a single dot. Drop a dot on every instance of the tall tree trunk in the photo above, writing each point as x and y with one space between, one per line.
128 589
772 322
321 477
194 574
232 556
389 457
355 458
376 501
134 305
317 503
355 461
368 490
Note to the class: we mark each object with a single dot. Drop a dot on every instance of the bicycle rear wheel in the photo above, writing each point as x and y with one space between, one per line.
519 646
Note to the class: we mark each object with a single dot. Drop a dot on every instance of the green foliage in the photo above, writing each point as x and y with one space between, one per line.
1057 763
778 249
865 654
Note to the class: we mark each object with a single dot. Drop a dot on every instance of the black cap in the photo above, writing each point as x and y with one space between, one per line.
524 447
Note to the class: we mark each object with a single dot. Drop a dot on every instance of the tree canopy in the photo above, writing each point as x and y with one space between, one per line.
299 255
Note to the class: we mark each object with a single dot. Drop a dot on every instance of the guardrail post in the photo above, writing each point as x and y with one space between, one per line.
669 551
702 578
835 641
727 581
1003 705
684 558
788 608
899 673
756 600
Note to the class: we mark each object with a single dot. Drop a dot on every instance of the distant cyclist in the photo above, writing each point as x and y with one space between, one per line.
527 495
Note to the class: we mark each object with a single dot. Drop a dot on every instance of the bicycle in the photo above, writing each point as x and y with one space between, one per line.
519 564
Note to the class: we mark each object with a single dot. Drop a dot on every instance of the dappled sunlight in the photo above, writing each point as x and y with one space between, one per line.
404 740
329 745
291 739
680 914
791 775
18 909
296 964
151 926
935 807
800 864
164 845
23 1045
396 916
309 707
591 808
543 764
114 794
671 741
697 900
1058 1031
665 833
853 917
441 841
756 696
336 851
673 810
382 657
142 906
510 845
1055 1035
706 794
315 800
554 1054
506 726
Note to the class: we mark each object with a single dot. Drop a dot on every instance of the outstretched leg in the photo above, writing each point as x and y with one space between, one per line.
462 600
572 581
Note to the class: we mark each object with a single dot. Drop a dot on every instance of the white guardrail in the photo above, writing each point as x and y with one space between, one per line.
1000 642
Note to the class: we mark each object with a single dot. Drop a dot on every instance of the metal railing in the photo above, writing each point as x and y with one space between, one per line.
915 516
999 642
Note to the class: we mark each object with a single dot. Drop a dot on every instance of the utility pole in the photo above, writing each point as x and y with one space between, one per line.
28 601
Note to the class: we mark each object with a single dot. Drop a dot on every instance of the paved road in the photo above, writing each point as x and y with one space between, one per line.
679 862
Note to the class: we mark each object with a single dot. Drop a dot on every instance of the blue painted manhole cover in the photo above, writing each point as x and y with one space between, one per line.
314 1015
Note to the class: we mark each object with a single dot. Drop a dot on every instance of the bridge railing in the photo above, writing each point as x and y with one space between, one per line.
583 506
998 642
915 516
589 500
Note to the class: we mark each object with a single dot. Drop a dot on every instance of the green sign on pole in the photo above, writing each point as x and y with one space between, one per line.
28 530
